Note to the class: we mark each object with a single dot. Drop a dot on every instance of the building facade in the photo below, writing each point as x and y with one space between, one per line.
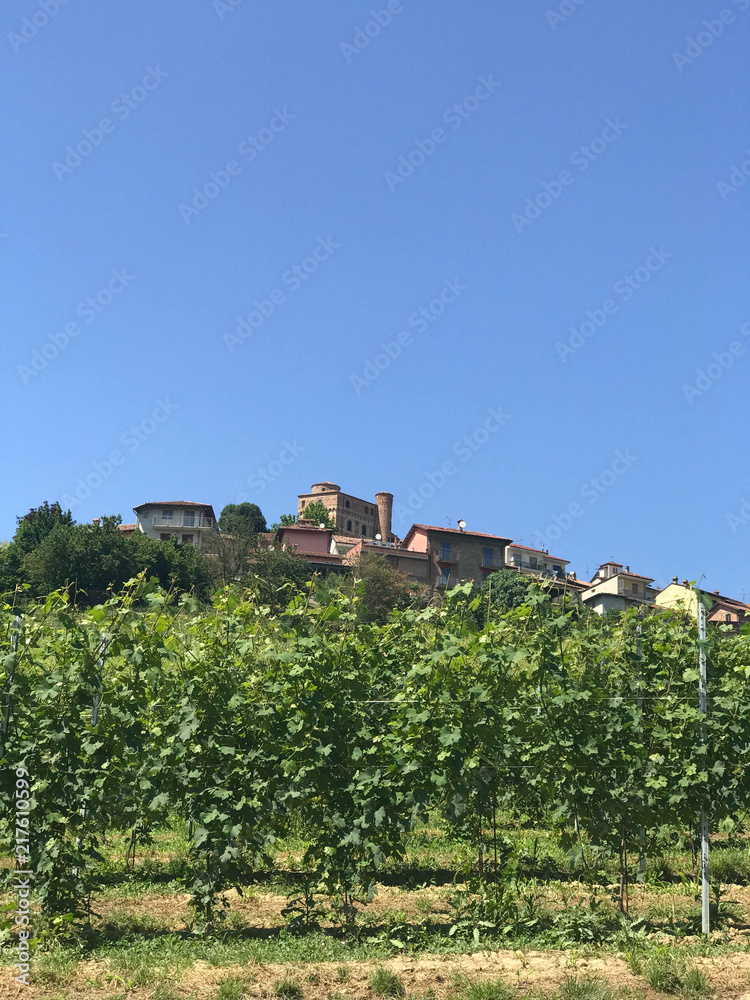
188 522
353 517
455 555
615 587
535 562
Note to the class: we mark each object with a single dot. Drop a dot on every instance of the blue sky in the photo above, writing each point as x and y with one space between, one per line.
539 209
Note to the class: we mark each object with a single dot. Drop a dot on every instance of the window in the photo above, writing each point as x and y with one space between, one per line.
557 569
188 519
635 588
445 551
347 504
727 618
167 515
532 561
445 575
165 536
348 525
303 503
364 529
366 510
487 556
187 539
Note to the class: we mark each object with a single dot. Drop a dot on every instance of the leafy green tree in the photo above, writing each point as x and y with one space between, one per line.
242 519
93 559
318 512
285 521
504 590
383 589
277 575
34 527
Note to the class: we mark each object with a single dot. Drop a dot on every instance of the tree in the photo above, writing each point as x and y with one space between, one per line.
319 513
92 559
285 521
34 527
383 588
276 575
242 519
503 590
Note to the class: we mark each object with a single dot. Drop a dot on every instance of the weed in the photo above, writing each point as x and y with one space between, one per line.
342 973
231 988
586 989
386 983
493 989
287 989
54 967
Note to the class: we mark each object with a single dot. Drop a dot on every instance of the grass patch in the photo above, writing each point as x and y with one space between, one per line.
470 989
587 988
287 989
385 983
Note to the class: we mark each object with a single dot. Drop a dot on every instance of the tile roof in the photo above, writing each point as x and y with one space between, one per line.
515 545
173 503
456 531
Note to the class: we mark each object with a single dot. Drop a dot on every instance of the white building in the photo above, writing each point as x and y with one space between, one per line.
190 523
616 588
535 562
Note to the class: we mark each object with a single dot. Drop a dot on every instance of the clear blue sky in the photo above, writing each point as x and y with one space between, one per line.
317 124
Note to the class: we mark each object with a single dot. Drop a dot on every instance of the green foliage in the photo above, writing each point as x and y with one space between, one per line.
586 988
285 521
276 575
489 989
267 712
385 983
34 527
287 989
502 591
382 588
242 519
318 512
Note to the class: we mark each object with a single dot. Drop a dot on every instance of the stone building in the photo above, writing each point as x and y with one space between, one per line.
353 517
455 555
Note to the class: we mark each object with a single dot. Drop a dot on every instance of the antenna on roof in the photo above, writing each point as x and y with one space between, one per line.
448 521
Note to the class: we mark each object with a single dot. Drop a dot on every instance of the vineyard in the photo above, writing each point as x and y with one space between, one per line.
316 749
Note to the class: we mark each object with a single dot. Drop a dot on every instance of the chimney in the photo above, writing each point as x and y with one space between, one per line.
627 569
96 520
385 514
684 583
674 579
716 591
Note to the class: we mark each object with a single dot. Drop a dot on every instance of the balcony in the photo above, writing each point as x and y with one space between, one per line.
183 521
492 562
450 556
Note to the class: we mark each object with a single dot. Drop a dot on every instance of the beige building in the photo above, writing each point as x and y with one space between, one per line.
353 517
190 523
535 562
455 555
614 587
722 610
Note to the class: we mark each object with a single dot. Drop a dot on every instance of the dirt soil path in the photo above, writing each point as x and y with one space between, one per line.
729 976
